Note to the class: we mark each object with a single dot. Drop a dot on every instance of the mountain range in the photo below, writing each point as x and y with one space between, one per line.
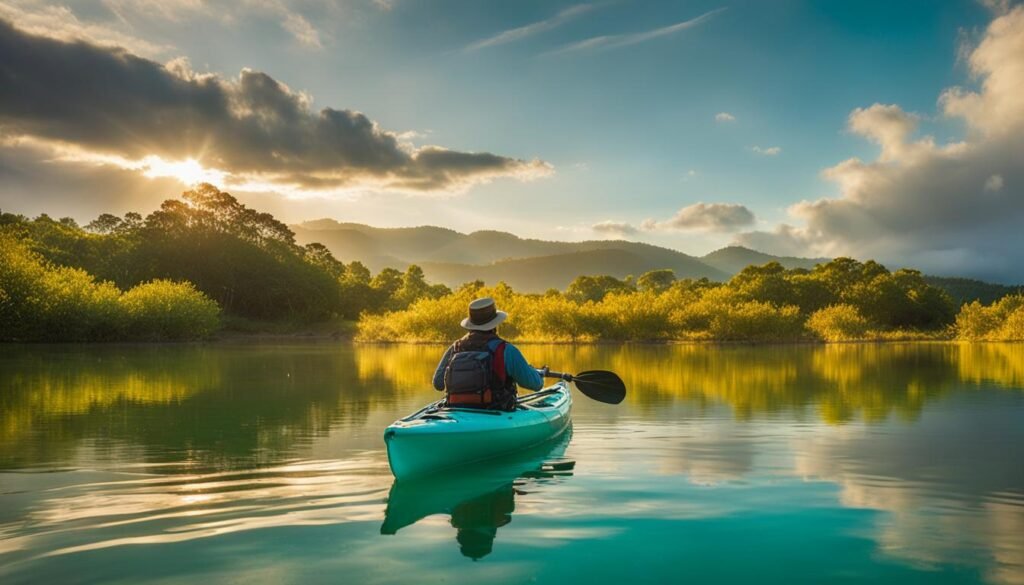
528 265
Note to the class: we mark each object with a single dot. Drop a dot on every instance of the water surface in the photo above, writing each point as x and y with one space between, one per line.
265 464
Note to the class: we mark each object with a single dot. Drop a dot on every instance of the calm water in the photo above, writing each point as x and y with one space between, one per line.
265 464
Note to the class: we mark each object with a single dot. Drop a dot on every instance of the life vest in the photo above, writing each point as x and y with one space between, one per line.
475 376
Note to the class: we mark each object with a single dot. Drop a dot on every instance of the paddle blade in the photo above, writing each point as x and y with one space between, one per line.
601 386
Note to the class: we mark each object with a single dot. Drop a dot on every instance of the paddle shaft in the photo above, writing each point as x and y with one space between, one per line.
549 374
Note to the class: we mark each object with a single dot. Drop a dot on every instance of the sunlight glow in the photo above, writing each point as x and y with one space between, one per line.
188 171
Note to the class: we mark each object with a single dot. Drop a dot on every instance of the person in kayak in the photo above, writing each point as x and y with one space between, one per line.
482 370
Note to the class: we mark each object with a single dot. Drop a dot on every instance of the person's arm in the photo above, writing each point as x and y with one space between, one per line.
521 371
439 372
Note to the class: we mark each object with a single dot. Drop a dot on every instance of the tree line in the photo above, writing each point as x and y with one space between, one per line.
206 261
59 281
840 300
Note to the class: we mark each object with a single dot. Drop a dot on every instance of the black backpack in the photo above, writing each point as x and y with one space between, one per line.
476 378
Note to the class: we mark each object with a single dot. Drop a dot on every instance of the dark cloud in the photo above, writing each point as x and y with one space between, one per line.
107 100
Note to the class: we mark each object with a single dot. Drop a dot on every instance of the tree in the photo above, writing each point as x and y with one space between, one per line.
318 255
106 223
357 272
414 286
387 282
766 283
594 288
656 281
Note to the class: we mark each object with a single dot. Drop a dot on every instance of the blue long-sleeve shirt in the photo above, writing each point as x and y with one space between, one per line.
516 367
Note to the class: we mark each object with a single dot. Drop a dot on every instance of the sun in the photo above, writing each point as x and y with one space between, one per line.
189 171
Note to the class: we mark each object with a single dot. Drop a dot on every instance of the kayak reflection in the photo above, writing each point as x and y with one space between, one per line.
479 499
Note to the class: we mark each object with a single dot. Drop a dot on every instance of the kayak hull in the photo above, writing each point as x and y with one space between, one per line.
437 438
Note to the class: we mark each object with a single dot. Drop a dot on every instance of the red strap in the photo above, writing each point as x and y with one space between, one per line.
499 362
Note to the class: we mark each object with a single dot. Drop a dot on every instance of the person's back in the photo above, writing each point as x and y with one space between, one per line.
481 370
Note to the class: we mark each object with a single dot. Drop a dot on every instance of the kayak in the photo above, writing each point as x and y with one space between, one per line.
438 437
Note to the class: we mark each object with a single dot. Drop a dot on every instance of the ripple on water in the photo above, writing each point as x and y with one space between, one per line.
82 510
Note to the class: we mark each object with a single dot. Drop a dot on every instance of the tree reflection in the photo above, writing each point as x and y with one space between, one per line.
220 407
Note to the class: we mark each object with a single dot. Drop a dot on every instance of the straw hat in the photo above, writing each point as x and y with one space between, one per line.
483 315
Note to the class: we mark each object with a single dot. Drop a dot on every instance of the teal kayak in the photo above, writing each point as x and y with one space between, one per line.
437 438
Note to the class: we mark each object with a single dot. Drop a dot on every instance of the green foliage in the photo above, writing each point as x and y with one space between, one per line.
245 260
965 290
838 300
756 321
594 288
164 310
207 250
838 323
656 281
43 302
1003 320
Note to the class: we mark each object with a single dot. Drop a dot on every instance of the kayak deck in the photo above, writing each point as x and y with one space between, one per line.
437 437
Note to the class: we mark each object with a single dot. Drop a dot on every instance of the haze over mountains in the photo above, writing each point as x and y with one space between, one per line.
528 265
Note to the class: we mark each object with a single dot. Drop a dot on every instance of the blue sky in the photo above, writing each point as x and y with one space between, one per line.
619 98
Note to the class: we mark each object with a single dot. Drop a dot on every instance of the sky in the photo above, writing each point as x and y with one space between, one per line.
874 129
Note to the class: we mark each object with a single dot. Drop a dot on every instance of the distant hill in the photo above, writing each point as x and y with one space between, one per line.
558 270
732 259
452 258
966 290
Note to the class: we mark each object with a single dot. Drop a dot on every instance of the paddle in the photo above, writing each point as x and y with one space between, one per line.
599 385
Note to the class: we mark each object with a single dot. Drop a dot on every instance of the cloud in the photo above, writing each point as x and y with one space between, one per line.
954 208
59 22
994 183
516 34
302 30
615 228
253 128
767 151
178 11
625 40
724 117
712 217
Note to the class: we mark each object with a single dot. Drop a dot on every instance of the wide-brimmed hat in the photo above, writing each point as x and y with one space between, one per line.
483 315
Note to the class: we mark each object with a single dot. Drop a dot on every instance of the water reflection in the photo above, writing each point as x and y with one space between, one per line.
479 500
166 446
225 407
836 383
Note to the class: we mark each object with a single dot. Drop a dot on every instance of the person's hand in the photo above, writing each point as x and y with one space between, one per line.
543 371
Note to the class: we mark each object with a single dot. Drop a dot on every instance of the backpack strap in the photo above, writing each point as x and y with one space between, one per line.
498 362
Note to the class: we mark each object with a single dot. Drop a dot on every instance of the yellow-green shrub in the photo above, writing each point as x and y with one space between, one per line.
756 321
47 303
1003 320
636 316
42 302
840 322
166 310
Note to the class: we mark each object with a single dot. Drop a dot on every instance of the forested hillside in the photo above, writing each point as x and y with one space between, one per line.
732 259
